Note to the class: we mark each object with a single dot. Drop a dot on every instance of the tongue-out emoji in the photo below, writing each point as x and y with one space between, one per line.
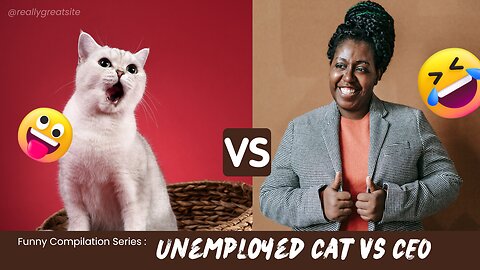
449 83
39 145
45 135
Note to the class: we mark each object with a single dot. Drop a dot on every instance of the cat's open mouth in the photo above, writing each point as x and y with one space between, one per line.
115 93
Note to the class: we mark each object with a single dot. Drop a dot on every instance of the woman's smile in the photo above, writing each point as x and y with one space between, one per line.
352 77
347 91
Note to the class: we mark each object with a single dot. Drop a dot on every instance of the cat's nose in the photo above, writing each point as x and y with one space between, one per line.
120 73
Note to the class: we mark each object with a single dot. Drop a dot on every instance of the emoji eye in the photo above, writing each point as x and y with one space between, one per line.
42 122
104 62
58 130
453 65
132 69
438 75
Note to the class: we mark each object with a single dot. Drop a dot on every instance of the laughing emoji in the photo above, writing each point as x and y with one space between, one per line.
45 135
449 83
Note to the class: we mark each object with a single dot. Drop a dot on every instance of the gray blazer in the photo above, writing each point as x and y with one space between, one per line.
405 157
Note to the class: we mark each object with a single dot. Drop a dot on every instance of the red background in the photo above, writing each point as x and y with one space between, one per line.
199 83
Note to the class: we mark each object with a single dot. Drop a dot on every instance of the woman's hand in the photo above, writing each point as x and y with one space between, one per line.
337 206
370 205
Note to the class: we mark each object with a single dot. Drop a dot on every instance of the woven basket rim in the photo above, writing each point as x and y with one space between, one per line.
60 212
244 221
236 183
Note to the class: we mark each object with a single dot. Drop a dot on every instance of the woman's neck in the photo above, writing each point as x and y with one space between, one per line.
355 115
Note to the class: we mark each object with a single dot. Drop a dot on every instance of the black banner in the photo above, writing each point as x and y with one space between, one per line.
236 250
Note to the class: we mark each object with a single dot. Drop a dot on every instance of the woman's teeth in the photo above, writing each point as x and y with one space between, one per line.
347 91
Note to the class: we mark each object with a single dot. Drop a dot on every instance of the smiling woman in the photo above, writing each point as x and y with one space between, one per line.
352 77
359 163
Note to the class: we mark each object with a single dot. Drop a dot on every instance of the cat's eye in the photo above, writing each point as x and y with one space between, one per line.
58 130
132 69
104 62
42 122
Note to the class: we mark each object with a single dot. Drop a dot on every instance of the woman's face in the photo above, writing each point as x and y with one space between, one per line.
352 77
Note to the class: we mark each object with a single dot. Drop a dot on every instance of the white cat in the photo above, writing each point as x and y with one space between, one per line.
109 179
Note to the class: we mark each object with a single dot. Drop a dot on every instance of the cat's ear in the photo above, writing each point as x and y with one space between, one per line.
86 45
142 56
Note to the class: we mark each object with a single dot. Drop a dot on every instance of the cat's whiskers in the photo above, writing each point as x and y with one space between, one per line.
139 44
151 113
152 100
63 86
144 110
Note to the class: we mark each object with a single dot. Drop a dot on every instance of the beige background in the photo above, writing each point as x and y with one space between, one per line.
290 77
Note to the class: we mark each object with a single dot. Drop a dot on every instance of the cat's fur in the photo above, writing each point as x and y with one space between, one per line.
109 179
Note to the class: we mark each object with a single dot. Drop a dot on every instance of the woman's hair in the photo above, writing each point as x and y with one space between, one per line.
367 21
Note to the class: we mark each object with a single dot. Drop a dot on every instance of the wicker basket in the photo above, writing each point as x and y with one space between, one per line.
198 206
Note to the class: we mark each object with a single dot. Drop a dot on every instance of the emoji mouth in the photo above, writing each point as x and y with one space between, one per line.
39 145
459 93
115 93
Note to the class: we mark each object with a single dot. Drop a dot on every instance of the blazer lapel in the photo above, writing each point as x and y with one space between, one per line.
330 134
378 131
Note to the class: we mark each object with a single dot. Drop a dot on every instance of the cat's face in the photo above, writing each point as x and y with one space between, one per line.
109 80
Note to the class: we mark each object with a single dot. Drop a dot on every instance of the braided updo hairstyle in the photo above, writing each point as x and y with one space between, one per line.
367 21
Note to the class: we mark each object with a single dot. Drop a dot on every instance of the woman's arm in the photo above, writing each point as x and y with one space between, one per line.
437 187
281 197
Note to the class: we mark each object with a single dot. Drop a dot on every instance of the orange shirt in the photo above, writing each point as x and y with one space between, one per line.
354 148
